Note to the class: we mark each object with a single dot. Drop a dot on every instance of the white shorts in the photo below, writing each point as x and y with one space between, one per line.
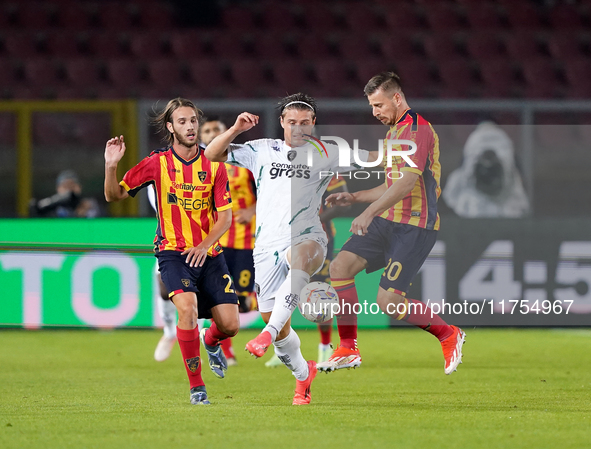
271 268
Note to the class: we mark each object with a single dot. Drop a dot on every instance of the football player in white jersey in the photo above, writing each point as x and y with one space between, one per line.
290 245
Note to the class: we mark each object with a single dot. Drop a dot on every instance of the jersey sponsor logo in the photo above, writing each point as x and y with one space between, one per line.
192 364
291 171
184 186
189 204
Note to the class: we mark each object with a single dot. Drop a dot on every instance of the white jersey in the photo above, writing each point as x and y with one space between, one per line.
289 191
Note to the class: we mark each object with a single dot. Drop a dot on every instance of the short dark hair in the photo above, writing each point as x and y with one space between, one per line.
161 119
301 102
211 118
385 81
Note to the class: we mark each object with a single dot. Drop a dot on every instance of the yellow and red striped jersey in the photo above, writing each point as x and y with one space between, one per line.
240 236
419 207
186 192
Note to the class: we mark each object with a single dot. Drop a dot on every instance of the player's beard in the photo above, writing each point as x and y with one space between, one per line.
184 141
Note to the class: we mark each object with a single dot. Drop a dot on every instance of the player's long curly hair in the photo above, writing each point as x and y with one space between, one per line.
161 119
302 102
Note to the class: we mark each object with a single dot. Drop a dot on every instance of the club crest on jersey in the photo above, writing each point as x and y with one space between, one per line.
192 364
186 282
291 155
202 175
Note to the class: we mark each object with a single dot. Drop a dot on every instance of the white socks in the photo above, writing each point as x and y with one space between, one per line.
288 351
286 300
167 311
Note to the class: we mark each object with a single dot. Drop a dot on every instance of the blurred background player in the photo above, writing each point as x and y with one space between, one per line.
326 216
67 202
488 183
188 188
238 243
396 231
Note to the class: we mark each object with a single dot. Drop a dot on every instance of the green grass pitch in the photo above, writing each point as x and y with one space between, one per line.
525 388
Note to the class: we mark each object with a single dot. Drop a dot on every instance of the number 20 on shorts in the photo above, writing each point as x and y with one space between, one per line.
390 268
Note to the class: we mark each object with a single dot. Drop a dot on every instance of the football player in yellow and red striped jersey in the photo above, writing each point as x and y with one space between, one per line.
396 231
194 210
238 241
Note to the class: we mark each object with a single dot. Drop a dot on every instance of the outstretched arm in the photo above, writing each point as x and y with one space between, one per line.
217 150
114 151
363 196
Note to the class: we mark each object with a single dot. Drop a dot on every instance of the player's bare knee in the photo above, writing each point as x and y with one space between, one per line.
338 269
229 326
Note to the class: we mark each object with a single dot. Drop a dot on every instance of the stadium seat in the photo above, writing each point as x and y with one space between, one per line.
115 16
124 73
564 45
523 45
522 15
270 46
333 75
155 15
498 78
443 17
398 47
75 16
540 78
312 45
354 46
187 44
238 18
362 18
23 44
278 16
34 15
483 16
415 77
165 71
8 74
320 18
457 77
82 71
291 75
578 74
248 74
228 44
42 72
440 47
366 68
108 45
483 46
404 17
565 17
148 45
65 44
205 73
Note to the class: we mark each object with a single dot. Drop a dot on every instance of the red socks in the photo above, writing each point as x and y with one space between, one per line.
213 335
325 332
422 316
189 344
346 320
227 348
